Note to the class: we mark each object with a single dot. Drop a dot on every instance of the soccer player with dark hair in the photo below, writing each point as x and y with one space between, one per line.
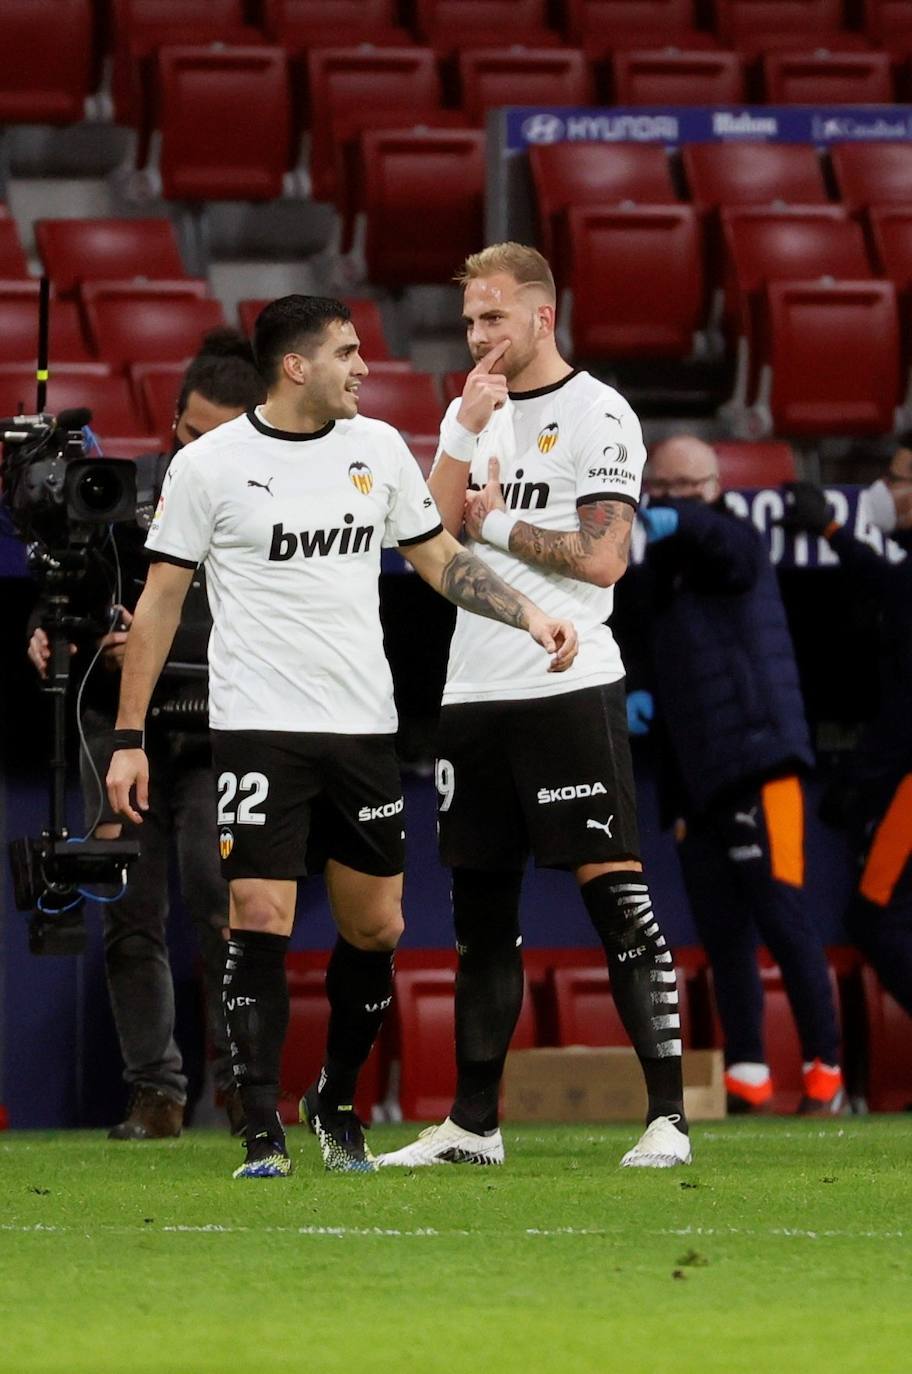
220 383
541 463
287 508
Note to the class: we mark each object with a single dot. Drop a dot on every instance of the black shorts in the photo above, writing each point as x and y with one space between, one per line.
551 775
287 802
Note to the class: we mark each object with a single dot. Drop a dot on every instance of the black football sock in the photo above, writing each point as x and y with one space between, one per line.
489 990
255 998
359 986
643 983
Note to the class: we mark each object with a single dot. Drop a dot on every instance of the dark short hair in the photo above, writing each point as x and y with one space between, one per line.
292 324
223 372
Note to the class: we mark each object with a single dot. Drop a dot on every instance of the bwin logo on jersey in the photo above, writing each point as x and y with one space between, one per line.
320 543
519 495
547 795
548 438
226 843
361 477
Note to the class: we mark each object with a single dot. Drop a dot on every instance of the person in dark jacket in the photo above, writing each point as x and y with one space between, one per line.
871 795
730 710
219 384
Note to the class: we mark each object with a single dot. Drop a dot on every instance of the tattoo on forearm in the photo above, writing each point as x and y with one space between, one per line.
469 582
567 551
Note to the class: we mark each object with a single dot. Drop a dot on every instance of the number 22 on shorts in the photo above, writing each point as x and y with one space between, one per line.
256 785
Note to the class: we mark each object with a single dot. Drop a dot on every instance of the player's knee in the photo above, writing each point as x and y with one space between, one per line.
260 909
378 929
485 914
108 830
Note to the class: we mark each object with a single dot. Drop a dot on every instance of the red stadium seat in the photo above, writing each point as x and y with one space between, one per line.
19 330
365 315
12 258
73 250
547 76
827 78
873 173
157 387
456 24
353 89
586 1012
225 120
305 1046
743 463
156 325
752 26
891 231
405 399
304 24
566 174
423 1007
678 78
614 22
141 27
77 384
834 357
753 174
888 23
765 243
637 280
424 200
48 61
788 242
889 1048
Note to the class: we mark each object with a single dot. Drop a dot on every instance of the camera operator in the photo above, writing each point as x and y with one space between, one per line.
220 384
871 794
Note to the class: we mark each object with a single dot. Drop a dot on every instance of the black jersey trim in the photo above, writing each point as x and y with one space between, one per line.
420 538
156 557
544 390
291 435
607 496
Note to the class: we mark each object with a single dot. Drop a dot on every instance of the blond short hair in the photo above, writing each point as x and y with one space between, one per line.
525 264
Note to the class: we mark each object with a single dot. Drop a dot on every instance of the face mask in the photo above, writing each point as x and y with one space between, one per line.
879 506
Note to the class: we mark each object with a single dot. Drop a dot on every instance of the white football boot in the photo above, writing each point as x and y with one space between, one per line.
661 1146
446 1144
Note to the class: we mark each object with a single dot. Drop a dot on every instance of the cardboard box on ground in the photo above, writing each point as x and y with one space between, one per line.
579 1083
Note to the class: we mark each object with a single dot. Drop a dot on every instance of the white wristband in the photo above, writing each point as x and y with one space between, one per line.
457 441
496 528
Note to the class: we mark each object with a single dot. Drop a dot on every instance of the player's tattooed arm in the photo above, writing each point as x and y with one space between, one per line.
470 583
597 552
467 581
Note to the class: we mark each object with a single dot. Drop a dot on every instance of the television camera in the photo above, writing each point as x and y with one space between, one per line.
63 505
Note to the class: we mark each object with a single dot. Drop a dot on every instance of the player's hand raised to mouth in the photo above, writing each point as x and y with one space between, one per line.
484 390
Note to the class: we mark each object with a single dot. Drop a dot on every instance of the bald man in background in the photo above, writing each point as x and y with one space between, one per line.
731 717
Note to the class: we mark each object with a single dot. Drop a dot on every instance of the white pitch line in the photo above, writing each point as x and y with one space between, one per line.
422 1232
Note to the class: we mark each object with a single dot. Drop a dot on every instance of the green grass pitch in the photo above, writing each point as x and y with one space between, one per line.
785 1246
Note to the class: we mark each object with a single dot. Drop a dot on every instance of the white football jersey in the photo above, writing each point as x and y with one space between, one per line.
559 447
290 528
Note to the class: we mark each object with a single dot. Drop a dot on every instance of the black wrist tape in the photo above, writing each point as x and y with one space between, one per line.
126 739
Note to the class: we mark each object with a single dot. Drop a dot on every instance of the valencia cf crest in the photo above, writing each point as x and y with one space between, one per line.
226 843
548 438
361 477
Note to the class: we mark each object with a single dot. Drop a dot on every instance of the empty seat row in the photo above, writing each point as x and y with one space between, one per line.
823 353
568 1001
